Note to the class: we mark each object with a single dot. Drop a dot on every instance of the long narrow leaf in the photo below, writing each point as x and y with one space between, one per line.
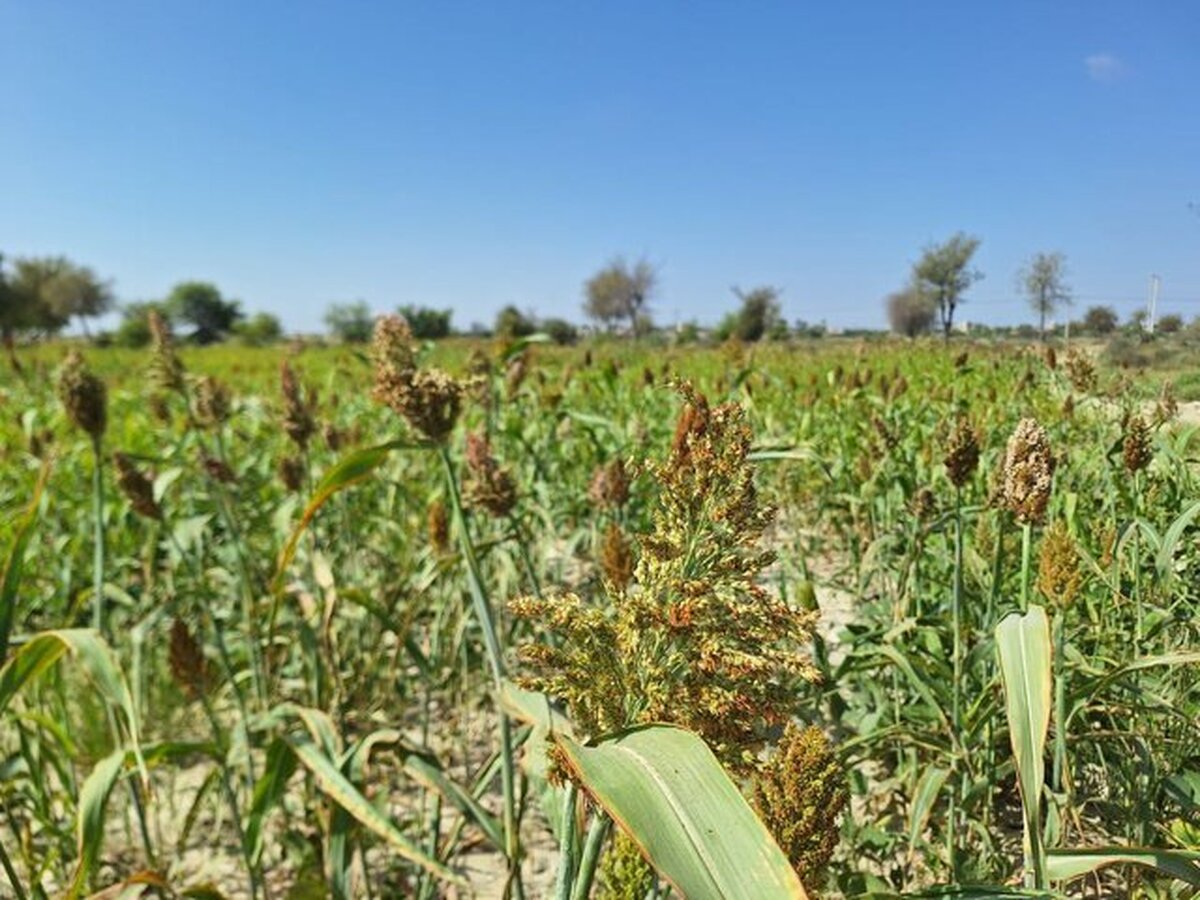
1063 865
665 788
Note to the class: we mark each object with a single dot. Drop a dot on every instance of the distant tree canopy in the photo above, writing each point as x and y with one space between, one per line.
1043 279
1171 323
350 322
259 330
427 324
1100 320
512 323
560 331
134 328
944 274
759 315
200 304
911 311
620 291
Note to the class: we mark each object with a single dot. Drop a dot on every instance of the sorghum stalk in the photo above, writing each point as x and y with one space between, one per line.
568 846
1060 703
18 891
959 790
98 521
483 610
597 832
1026 553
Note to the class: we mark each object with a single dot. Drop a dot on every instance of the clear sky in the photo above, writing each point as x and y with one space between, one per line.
474 155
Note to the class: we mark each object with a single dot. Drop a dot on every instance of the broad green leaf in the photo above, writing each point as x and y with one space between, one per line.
1064 865
338 788
1024 647
14 563
666 789
1164 561
93 800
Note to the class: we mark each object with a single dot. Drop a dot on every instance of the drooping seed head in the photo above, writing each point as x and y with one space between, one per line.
429 399
136 487
188 664
166 368
609 488
298 421
213 402
83 396
438 527
487 484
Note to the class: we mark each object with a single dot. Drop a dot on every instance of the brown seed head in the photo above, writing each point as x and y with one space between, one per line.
218 470
800 793
83 396
962 453
297 411
188 665
1081 372
212 402
1135 449
1059 574
487 485
136 487
166 368
291 472
429 399
438 526
1028 473
610 485
616 557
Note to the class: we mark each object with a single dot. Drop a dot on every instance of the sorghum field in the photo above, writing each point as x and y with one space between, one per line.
614 620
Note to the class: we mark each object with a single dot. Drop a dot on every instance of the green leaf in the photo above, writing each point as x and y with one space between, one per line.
666 789
93 800
1024 647
338 788
926 795
268 791
1063 865
14 563
1164 561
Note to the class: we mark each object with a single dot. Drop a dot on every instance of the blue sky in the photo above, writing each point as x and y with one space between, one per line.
474 155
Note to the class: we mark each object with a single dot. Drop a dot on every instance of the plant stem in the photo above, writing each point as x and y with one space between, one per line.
568 846
18 891
1060 705
1026 554
230 796
957 789
483 611
98 547
597 832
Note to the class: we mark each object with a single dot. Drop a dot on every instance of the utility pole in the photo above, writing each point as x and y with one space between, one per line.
1152 302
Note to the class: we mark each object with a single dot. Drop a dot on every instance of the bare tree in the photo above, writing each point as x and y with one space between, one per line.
1043 279
620 291
944 273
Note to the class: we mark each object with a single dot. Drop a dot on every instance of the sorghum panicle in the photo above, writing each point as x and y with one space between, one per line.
1059 573
487 484
136 487
430 400
213 403
166 368
1028 473
291 472
609 488
438 526
962 453
616 557
1136 452
83 396
188 665
298 421
800 793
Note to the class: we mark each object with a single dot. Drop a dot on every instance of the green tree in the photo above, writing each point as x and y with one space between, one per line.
1171 323
759 313
512 323
1100 320
427 324
71 291
259 330
911 311
200 304
944 273
1043 279
620 290
350 322
134 329
560 331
